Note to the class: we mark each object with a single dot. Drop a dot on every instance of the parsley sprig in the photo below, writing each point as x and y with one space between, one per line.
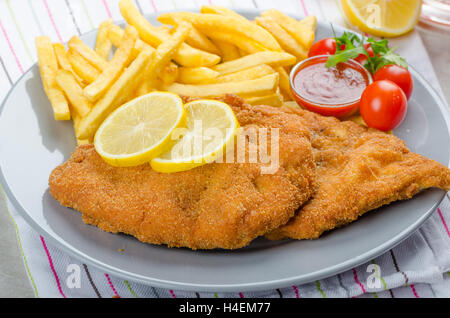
354 46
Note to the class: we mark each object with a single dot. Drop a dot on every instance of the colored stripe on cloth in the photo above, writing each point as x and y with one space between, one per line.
279 293
172 293
342 14
130 289
138 5
116 295
443 222
19 243
414 291
355 278
86 11
305 11
107 9
342 285
91 281
72 16
6 71
33 12
52 267
404 274
50 15
11 47
297 295
397 268
153 5
19 30
320 289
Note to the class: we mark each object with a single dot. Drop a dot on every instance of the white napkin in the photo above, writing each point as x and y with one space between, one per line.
418 267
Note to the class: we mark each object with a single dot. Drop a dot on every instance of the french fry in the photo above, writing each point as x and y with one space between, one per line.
48 67
228 51
115 34
196 75
222 11
244 75
76 123
267 57
64 62
169 74
103 44
357 118
287 42
302 31
120 60
285 85
242 42
291 104
186 55
195 38
211 23
275 100
200 41
83 142
147 32
164 28
87 53
82 67
257 87
74 92
242 53
115 96
143 88
165 51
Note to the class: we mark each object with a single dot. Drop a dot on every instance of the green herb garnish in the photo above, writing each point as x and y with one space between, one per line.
354 46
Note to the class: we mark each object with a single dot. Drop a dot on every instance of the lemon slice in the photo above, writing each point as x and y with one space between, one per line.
383 17
140 130
211 127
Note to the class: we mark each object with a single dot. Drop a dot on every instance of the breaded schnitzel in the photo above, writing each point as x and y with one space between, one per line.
218 205
358 170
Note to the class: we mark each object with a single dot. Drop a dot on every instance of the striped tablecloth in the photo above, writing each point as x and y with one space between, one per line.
419 267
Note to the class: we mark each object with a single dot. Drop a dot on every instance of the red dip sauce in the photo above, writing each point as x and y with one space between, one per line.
332 91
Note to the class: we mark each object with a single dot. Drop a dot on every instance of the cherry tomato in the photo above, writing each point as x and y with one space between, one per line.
362 58
326 46
397 74
383 105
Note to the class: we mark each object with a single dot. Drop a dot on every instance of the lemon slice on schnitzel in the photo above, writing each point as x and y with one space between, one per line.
383 17
211 127
140 130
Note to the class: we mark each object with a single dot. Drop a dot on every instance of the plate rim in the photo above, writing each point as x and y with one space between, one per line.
256 286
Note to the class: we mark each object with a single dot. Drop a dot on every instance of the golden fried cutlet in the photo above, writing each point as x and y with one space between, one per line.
358 170
218 205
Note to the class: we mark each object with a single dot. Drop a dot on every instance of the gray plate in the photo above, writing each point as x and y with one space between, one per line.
32 143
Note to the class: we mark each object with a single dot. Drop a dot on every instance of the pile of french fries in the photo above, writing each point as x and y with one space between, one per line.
206 54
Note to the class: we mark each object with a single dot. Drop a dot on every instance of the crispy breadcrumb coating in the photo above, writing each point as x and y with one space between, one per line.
358 170
218 205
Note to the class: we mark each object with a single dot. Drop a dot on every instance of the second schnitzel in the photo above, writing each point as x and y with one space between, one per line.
358 170
218 205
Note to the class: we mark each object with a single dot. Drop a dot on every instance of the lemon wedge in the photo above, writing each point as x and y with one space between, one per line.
211 127
140 130
383 17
